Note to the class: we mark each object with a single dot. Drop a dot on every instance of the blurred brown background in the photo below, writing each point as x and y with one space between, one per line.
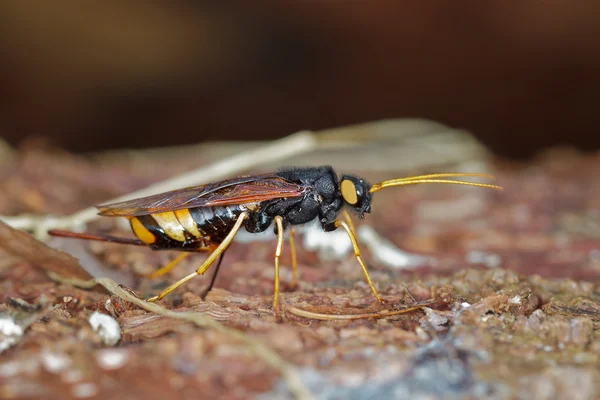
123 73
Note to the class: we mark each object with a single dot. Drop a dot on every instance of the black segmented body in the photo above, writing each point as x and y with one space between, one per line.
216 222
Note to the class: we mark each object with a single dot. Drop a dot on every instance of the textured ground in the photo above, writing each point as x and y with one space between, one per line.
513 278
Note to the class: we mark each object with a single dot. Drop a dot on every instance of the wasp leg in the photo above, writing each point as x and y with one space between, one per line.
279 223
344 225
348 220
209 261
214 277
294 281
168 267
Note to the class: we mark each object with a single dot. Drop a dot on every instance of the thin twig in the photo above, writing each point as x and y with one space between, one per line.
287 370
376 314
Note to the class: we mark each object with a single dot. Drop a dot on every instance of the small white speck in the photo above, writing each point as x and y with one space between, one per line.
515 300
548 348
84 390
106 326
464 304
10 332
8 327
55 362
112 358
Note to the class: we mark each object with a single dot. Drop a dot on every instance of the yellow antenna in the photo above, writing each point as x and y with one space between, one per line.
434 178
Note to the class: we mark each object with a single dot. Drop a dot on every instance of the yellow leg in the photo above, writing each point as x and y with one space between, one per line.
208 262
167 267
348 220
278 251
345 225
294 281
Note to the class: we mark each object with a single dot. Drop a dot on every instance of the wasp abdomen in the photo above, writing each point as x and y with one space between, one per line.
215 222
186 228
164 231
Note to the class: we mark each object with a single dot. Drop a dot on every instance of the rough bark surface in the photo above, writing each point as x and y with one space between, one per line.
513 276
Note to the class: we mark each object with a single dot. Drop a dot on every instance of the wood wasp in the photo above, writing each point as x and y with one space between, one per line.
206 218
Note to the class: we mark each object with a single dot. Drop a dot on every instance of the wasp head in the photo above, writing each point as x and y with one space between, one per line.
355 192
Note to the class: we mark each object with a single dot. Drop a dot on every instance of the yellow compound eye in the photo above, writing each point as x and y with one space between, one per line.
349 191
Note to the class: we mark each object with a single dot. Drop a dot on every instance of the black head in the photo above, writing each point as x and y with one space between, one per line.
356 193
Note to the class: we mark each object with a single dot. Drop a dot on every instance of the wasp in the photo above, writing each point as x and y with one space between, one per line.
206 218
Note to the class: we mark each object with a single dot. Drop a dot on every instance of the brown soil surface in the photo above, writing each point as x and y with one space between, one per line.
513 281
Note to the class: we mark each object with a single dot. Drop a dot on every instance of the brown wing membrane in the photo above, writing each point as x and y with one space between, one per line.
242 190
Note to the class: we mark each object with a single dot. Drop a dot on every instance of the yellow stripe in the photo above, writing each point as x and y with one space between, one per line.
169 223
185 219
141 232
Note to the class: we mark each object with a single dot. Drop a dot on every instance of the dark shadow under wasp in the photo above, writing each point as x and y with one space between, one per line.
206 218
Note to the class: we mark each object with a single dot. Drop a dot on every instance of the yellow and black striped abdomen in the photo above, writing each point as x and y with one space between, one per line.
165 231
186 228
